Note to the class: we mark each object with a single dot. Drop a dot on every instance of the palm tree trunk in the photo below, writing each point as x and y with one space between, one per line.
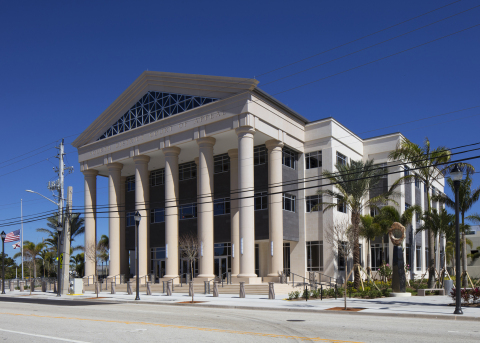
356 249
431 246
369 269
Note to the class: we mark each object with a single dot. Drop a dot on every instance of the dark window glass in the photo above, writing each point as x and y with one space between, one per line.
259 155
130 218
221 206
157 177
315 256
261 201
221 164
341 159
313 160
289 158
313 203
130 183
289 202
157 215
188 211
187 171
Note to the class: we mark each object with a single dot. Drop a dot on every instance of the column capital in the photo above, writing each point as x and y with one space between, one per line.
206 141
273 143
141 159
90 172
114 166
171 151
233 153
242 130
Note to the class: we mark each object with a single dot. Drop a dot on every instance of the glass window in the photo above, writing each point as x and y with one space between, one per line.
130 218
289 158
406 171
221 206
418 253
384 170
187 171
315 256
376 255
313 203
289 202
259 155
157 177
341 159
261 201
313 160
286 259
157 215
342 208
221 164
417 183
426 258
130 183
188 211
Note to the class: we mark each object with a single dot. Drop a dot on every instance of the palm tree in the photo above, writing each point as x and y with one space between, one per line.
102 248
353 183
467 197
79 263
430 167
76 228
30 252
369 230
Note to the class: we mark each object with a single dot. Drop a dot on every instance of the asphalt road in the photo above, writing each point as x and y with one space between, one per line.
90 321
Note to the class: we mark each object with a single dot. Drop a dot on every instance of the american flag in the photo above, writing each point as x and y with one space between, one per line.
16 245
12 236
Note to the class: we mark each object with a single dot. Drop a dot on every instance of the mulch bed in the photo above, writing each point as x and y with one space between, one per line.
191 302
349 309
467 305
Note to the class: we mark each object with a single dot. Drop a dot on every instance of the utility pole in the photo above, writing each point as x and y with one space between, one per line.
66 244
58 185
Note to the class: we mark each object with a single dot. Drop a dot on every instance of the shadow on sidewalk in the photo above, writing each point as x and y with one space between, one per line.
55 302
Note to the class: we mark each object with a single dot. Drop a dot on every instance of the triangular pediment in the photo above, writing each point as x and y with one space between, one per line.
154 96
152 107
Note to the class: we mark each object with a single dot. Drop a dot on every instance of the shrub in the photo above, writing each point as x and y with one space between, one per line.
315 293
306 293
475 294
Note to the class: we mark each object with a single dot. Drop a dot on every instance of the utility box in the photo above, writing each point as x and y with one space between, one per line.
76 286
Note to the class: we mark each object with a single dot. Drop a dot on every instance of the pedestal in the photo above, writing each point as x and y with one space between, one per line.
398 273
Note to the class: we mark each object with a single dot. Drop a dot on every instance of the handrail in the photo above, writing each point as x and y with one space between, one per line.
221 277
293 279
330 277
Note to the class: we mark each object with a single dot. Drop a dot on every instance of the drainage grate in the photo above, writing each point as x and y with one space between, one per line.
295 320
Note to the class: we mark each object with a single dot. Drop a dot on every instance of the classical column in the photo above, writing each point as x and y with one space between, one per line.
171 211
275 212
246 202
142 205
90 221
124 263
205 206
114 200
234 214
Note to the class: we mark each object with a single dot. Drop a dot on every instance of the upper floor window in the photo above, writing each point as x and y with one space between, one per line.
341 159
289 158
289 202
341 207
406 171
187 211
259 155
383 170
157 215
425 188
130 183
313 203
417 182
261 201
130 218
221 206
221 164
187 171
157 177
313 160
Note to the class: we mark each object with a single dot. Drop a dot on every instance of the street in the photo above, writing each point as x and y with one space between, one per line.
45 320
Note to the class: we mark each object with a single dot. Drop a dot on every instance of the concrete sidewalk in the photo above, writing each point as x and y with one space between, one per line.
419 307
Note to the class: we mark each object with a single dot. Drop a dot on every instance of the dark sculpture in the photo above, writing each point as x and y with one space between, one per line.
397 235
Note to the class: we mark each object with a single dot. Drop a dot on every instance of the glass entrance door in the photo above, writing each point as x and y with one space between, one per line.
159 266
220 266
185 267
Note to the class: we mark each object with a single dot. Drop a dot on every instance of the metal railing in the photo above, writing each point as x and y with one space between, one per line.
299 284
228 276
176 277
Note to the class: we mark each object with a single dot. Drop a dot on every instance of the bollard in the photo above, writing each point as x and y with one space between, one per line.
22 288
55 287
98 286
335 291
129 288
190 288
164 287
112 288
321 291
32 286
12 286
215 289
149 287
169 288
207 287
44 286
271 290
242 289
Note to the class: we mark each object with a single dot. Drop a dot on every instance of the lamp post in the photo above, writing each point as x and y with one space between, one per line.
456 174
137 217
3 234
59 280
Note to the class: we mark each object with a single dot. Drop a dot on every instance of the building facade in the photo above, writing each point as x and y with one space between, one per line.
219 159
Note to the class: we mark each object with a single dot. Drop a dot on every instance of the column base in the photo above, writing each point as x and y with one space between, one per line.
170 277
201 279
248 280
141 281
269 278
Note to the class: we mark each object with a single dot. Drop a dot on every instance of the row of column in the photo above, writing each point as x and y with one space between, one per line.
241 209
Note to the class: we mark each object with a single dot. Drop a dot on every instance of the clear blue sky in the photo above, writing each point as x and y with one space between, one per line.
63 63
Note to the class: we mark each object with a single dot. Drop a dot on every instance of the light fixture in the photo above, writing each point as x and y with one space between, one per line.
3 235
456 174
137 216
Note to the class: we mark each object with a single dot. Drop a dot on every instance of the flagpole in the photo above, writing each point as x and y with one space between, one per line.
21 220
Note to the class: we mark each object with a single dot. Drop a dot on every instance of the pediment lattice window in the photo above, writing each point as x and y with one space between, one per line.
152 107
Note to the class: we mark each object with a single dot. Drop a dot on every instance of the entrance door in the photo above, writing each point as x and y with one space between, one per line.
159 268
220 266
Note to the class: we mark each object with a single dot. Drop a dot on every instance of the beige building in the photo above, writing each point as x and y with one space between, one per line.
219 158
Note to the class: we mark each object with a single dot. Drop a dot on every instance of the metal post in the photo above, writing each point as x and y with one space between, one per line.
321 291
458 299
3 263
137 264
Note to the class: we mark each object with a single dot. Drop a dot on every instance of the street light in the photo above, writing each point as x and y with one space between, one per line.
59 280
3 234
137 218
456 175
